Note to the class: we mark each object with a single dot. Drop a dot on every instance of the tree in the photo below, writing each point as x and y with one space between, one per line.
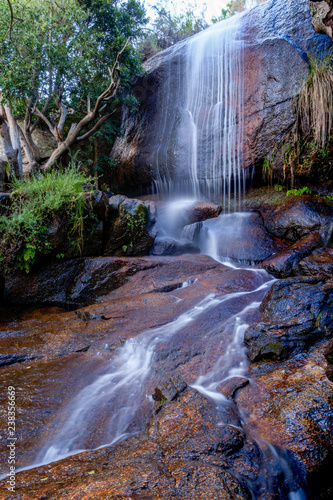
168 28
60 68
232 8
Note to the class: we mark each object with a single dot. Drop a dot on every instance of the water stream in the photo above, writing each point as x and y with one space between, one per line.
210 138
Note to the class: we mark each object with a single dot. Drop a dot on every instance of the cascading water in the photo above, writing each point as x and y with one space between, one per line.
200 152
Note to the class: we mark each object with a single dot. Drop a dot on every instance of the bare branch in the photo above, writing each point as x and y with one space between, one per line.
88 104
48 123
72 128
95 128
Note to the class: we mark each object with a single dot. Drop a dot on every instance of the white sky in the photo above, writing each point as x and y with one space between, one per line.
213 6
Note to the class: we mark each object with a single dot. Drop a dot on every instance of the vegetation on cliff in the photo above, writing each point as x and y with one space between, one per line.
36 205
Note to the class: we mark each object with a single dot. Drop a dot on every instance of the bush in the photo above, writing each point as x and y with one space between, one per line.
35 203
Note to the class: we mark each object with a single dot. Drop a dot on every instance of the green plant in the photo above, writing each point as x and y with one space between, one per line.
136 224
36 203
299 191
315 102
278 187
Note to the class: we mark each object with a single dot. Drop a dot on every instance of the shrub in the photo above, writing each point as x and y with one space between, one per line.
35 203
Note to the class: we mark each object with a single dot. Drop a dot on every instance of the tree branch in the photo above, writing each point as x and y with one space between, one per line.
63 113
48 123
95 128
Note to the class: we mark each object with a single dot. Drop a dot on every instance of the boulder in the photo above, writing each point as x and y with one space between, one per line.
131 227
295 314
284 264
201 211
241 237
297 218
320 263
169 246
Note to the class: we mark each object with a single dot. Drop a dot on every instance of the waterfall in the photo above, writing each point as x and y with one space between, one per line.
198 149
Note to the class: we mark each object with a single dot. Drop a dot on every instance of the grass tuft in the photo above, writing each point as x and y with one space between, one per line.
35 204
315 102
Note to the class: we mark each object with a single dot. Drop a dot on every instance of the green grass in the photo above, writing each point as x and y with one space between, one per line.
35 203
315 102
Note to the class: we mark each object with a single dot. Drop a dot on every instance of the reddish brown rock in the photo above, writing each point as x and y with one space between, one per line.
284 263
320 263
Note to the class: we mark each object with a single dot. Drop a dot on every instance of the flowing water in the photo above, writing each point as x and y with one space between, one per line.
198 149
207 162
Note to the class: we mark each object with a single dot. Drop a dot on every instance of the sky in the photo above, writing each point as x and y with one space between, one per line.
213 6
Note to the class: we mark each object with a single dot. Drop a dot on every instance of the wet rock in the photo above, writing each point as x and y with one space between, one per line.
11 359
290 404
201 211
295 314
297 218
320 263
191 232
131 230
329 359
284 263
182 451
48 285
78 282
240 237
169 246
230 386
168 391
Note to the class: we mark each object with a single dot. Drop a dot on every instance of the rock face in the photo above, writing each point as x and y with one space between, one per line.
322 16
295 314
278 35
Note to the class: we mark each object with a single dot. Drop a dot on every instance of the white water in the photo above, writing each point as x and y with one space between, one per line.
120 390
199 151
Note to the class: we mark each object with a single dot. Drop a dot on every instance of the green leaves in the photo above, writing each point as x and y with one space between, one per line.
35 205
65 47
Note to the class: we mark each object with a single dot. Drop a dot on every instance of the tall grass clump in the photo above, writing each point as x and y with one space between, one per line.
36 203
315 102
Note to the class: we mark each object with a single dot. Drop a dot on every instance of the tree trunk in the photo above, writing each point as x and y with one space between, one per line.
15 139
56 154
10 153
2 175
95 163
33 166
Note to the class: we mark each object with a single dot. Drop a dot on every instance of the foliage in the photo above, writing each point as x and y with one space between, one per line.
299 191
169 28
55 59
136 225
232 8
64 45
315 102
35 204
